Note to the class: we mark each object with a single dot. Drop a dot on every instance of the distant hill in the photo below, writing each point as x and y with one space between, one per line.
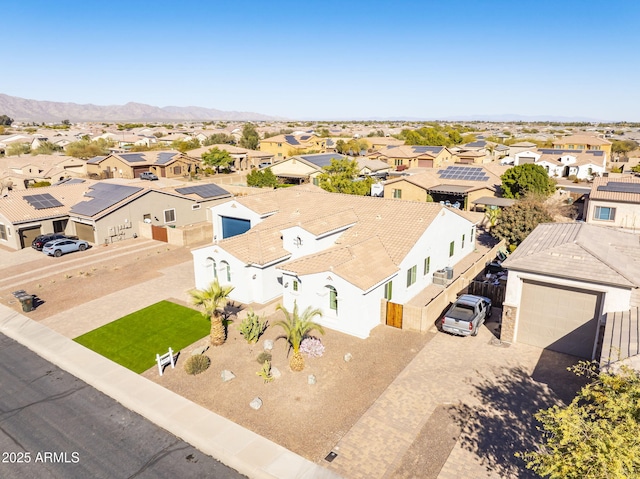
21 109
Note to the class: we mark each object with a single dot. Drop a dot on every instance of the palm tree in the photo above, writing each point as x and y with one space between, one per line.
213 300
297 327
492 214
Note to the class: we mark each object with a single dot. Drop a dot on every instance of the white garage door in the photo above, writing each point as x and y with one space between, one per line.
557 318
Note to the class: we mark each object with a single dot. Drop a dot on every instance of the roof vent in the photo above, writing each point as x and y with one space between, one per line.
378 217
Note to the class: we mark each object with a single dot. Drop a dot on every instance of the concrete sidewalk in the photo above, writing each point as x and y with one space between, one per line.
239 448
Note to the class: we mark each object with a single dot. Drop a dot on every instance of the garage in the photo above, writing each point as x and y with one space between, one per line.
85 232
559 318
27 235
234 226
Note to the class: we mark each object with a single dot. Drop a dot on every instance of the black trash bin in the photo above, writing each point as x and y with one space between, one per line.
27 302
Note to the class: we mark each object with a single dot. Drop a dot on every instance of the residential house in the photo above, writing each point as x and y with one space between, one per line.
304 168
407 156
23 171
459 185
615 202
169 164
583 142
285 146
581 164
563 280
342 254
243 159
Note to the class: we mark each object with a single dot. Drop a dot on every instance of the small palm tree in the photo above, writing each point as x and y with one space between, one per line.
297 327
492 214
213 300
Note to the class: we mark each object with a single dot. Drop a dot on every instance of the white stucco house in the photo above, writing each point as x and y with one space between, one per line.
340 253
583 164
564 279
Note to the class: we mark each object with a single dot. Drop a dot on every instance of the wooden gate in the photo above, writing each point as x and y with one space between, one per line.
495 292
159 233
394 315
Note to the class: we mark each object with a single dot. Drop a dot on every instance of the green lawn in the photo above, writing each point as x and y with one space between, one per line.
134 340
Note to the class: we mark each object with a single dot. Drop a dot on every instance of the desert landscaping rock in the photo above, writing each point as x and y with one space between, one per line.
256 403
268 345
200 350
348 357
311 379
227 375
275 373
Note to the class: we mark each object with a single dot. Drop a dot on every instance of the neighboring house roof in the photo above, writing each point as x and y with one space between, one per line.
373 165
320 160
624 189
17 206
583 157
524 144
580 251
409 151
102 196
621 338
144 158
581 140
433 178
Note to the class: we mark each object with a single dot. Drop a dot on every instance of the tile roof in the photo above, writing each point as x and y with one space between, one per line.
363 264
621 337
624 197
580 251
581 140
16 209
431 178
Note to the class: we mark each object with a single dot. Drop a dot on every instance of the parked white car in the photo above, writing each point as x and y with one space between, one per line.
62 246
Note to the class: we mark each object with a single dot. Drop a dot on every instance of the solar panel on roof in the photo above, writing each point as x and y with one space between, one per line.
469 173
620 187
43 201
203 191
291 140
132 157
165 157
103 196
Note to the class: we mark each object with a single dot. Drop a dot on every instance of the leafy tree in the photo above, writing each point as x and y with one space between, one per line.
66 122
213 301
5 120
17 149
219 139
88 149
517 221
297 327
340 176
596 436
527 178
185 145
352 147
324 133
46 148
217 158
376 133
623 147
262 178
250 138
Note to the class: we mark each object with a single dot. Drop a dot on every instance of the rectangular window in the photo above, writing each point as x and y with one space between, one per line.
452 248
3 233
295 285
388 290
397 162
604 213
59 226
177 170
170 216
145 217
427 265
462 246
411 275
333 299
397 194
196 206
316 181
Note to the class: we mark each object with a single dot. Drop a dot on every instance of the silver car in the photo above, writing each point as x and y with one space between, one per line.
62 246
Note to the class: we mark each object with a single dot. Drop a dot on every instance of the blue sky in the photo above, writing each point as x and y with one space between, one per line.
331 59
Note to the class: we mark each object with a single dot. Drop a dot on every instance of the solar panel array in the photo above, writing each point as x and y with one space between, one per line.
555 151
164 157
620 187
322 159
96 159
305 137
291 140
425 149
469 173
132 157
69 181
103 196
42 202
203 191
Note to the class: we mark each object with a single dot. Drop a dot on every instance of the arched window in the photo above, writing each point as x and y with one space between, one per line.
226 266
333 298
211 263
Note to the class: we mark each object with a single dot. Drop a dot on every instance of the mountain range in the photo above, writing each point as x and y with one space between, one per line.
22 109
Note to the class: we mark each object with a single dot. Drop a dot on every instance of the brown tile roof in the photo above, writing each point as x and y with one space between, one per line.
581 140
623 197
17 210
362 264
580 251
431 178
581 158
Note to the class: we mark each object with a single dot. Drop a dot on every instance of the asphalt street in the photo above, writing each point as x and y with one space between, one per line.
52 425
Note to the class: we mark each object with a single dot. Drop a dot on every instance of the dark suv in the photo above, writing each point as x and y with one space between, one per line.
41 240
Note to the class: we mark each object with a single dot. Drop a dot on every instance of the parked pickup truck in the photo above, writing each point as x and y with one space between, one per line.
466 315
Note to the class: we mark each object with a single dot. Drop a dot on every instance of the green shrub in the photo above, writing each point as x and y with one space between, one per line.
264 356
197 364
252 327
265 372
